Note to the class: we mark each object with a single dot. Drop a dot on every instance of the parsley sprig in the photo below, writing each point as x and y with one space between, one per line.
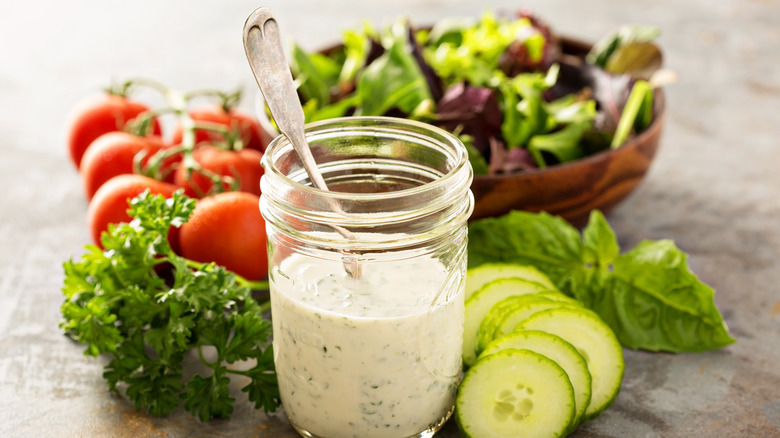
152 311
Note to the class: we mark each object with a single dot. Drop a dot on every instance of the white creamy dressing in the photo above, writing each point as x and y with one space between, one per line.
370 356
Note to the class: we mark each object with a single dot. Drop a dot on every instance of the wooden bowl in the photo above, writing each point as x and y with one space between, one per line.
571 190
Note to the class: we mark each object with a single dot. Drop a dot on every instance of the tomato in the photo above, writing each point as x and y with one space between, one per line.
253 136
244 165
113 154
227 229
110 203
97 115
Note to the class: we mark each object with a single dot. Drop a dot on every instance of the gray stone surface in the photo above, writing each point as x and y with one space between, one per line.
714 189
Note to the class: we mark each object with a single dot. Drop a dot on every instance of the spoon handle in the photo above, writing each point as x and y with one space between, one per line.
263 46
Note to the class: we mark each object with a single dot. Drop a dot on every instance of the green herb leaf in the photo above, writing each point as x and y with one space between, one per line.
263 389
647 295
600 246
117 304
661 304
209 397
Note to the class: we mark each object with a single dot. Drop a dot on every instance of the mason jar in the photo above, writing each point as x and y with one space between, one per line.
367 277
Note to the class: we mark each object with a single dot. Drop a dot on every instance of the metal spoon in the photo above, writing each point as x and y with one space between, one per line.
263 46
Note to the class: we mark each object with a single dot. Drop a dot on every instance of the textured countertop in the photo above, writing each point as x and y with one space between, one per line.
714 189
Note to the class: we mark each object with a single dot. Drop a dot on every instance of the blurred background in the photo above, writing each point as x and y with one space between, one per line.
714 187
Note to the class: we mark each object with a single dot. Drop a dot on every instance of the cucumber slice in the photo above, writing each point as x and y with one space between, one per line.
488 326
515 393
514 316
560 351
480 304
481 275
595 341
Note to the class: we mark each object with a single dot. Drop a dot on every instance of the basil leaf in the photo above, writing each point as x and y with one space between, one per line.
599 240
648 295
662 304
538 239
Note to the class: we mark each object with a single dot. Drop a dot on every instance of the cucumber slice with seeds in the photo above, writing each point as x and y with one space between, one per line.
560 351
479 304
481 275
595 341
515 393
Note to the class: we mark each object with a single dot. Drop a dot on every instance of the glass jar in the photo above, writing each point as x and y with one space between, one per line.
367 278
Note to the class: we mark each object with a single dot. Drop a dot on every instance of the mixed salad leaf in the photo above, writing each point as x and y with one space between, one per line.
502 84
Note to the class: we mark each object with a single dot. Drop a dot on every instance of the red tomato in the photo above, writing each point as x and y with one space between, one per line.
244 165
253 135
113 154
97 115
110 203
227 229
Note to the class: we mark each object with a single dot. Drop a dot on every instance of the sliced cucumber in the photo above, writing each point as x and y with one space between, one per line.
481 275
515 393
479 304
487 328
514 316
560 351
595 341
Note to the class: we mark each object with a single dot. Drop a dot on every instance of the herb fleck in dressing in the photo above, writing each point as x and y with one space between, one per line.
370 356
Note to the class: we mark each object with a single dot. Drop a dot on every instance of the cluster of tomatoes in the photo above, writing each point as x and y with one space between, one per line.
213 153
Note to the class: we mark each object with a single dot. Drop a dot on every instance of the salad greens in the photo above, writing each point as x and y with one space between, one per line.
499 83
628 49
123 302
647 295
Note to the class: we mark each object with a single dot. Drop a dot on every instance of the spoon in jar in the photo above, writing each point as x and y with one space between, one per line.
263 47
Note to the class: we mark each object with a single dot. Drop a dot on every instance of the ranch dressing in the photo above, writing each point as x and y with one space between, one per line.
377 356
367 278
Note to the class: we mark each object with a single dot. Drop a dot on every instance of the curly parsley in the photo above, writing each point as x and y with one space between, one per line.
118 303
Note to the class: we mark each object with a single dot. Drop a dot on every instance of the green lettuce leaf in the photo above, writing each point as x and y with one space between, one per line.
478 163
605 48
647 295
316 74
394 80
563 144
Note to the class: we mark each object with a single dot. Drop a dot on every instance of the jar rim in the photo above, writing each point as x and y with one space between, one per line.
279 144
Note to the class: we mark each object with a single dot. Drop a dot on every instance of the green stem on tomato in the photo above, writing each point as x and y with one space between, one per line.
227 101
149 83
